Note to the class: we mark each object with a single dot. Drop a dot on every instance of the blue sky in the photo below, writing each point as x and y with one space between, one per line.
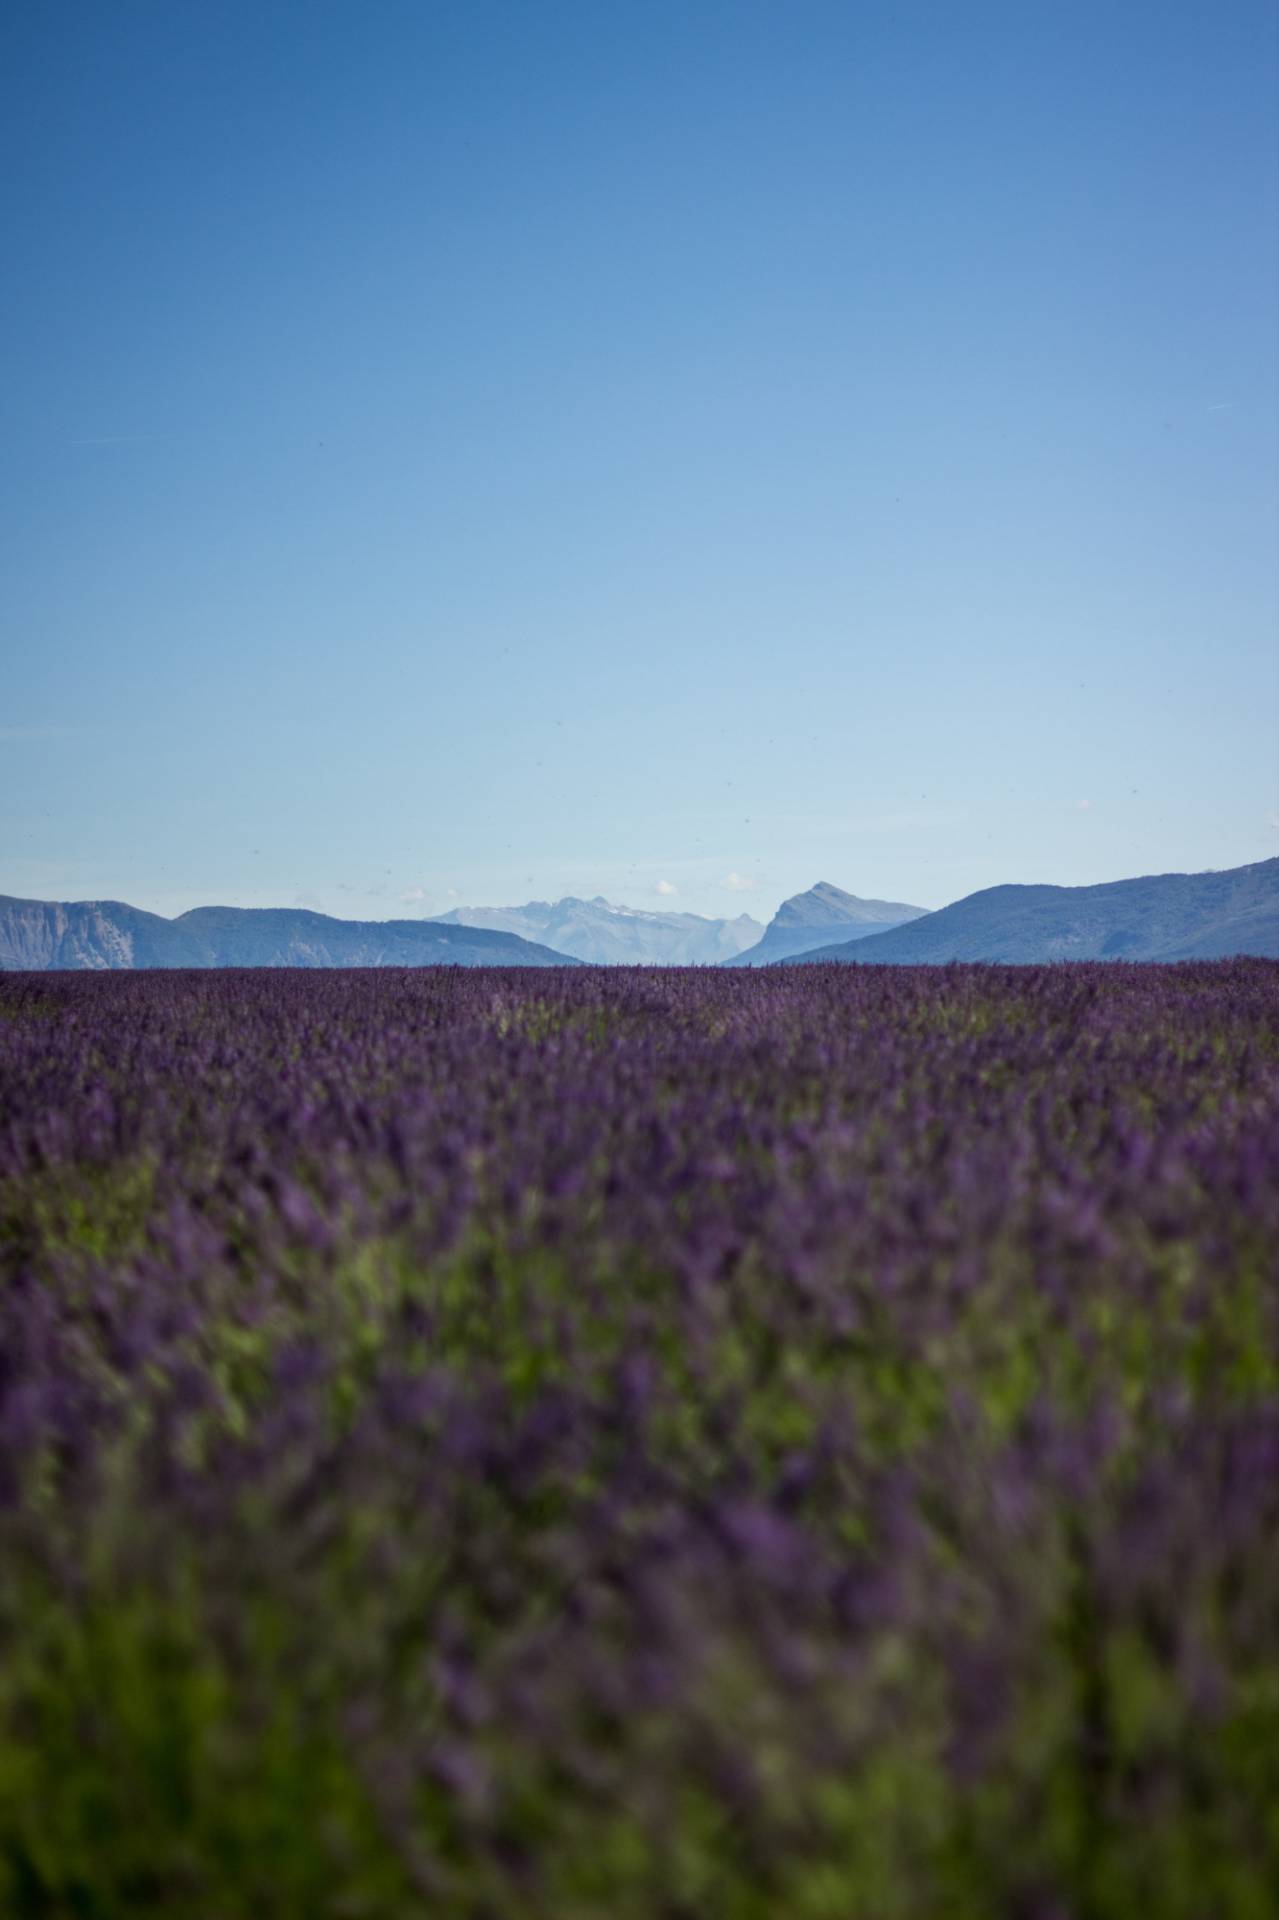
480 451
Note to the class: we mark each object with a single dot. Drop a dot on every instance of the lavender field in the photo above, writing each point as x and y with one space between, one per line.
669 1445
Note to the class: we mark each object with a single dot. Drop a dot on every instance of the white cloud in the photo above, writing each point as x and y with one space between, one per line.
739 883
1084 805
666 888
415 896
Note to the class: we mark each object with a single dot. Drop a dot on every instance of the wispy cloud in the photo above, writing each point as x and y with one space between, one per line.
666 888
739 883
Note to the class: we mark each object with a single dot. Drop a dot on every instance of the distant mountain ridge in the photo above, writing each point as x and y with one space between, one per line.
605 934
51 935
1174 916
820 917
1169 916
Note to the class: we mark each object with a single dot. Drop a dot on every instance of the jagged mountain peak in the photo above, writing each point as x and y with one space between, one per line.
606 933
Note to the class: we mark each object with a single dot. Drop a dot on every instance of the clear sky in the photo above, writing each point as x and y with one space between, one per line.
475 451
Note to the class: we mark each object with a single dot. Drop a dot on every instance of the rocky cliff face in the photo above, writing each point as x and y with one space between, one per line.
102 934
45 935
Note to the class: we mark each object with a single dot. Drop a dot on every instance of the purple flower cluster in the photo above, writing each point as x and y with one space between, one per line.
672 1443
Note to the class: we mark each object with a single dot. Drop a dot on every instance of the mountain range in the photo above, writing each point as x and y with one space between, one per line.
607 935
1167 916
1171 916
819 918
43 935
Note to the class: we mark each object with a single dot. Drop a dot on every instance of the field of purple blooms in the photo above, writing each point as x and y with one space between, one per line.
673 1445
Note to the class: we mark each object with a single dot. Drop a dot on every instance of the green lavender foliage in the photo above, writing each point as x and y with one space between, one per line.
531 1445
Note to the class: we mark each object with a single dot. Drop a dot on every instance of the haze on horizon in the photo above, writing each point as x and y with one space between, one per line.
477 453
